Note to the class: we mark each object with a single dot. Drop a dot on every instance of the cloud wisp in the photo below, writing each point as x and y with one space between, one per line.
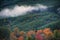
20 10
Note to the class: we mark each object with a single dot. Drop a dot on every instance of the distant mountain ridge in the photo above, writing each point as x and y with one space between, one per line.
9 3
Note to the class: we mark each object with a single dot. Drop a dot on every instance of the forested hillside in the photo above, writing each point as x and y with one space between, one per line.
32 21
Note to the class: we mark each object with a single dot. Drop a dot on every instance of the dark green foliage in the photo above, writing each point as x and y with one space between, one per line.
4 33
56 35
53 25
56 26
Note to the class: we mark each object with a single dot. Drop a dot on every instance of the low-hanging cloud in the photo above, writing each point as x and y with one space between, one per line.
58 10
20 10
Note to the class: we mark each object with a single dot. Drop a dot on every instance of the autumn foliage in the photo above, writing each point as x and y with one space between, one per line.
32 35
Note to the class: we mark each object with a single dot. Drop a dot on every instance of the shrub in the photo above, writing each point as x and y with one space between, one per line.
4 33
